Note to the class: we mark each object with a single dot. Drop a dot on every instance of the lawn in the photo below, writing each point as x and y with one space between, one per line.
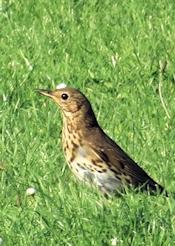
121 54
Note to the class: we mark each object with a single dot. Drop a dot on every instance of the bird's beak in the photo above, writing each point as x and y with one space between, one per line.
47 93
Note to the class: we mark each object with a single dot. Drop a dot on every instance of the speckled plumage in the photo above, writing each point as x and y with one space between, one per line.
91 155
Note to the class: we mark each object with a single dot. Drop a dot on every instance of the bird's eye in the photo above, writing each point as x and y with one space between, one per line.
64 96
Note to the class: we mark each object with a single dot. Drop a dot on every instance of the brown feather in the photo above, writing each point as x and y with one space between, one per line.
112 154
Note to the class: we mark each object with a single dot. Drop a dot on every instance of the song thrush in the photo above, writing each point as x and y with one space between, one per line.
92 155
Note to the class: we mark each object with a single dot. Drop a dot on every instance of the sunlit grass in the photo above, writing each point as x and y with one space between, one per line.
114 52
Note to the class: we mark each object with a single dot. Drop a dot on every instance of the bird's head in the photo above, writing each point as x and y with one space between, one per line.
71 102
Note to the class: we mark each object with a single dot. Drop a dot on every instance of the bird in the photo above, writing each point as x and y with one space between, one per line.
91 154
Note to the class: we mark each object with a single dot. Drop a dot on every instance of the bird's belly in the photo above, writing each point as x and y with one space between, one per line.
106 181
82 172
100 175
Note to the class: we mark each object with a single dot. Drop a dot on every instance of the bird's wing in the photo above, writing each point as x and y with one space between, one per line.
118 161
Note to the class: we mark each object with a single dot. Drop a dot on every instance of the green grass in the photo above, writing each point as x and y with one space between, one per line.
113 51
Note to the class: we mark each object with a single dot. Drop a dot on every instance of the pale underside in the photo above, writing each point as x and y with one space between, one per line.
99 175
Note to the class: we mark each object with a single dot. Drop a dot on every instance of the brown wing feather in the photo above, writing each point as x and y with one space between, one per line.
112 154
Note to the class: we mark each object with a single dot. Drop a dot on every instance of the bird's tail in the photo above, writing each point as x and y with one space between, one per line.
154 188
